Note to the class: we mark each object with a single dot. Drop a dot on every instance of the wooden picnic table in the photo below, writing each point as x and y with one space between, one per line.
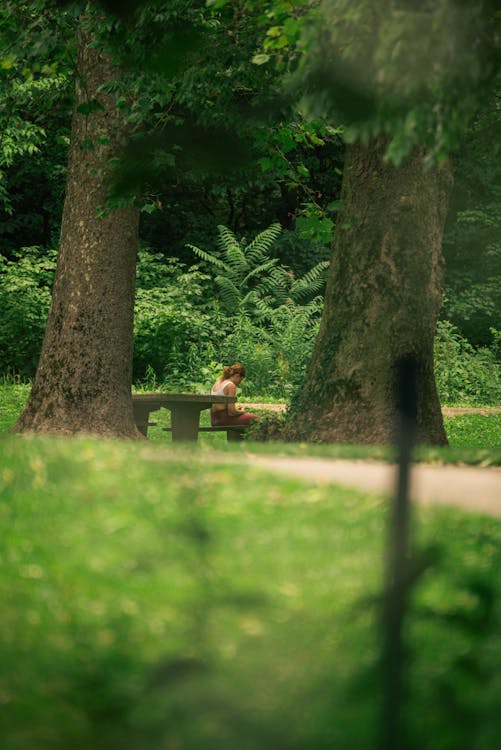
185 410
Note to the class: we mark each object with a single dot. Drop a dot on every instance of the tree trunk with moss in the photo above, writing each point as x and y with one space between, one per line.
383 298
83 380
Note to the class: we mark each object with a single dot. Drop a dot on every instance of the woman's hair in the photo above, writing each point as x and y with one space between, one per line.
233 370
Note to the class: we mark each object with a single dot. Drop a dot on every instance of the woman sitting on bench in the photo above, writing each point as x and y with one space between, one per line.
226 385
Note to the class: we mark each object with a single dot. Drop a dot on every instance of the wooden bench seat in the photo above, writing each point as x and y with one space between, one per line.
234 432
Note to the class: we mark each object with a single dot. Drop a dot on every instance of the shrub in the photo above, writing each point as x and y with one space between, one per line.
173 334
465 374
295 328
271 317
276 357
253 346
251 282
25 293
298 252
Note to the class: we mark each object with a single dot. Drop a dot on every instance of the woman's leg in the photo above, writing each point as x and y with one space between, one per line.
247 418
221 418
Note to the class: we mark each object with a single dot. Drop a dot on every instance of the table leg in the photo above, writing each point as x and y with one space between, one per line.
185 419
141 416
233 436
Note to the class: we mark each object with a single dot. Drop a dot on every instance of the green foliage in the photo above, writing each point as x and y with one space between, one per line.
270 317
179 328
276 357
192 119
464 374
251 282
208 77
305 157
300 253
244 274
187 66
27 154
25 284
472 245
173 334
412 75
36 43
252 345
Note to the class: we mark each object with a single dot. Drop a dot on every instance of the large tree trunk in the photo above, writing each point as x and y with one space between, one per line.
83 381
382 301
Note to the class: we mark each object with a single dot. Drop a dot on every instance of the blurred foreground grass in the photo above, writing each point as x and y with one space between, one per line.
152 600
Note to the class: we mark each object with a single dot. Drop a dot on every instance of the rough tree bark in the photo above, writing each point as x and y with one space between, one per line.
83 380
382 302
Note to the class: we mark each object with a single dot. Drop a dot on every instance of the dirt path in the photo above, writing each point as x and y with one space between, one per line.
469 487
456 411
447 411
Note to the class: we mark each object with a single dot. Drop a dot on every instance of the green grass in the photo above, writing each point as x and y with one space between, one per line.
150 600
12 400
474 430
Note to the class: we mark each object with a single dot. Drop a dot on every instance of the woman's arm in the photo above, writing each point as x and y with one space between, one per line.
233 409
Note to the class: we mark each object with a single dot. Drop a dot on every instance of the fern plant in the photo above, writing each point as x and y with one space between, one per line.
252 283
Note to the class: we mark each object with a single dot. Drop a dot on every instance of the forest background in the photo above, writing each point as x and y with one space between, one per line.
192 314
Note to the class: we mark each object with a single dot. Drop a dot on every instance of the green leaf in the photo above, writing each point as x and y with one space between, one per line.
265 163
8 62
281 42
263 268
227 239
258 248
236 260
260 59
311 283
230 295
216 4
274 31
292 28
315 228
208 257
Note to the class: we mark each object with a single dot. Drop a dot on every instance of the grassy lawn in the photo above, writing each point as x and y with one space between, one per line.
152 600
